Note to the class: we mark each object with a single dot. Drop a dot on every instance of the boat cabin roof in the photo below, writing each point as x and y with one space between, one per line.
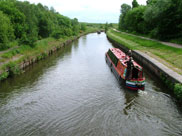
124 58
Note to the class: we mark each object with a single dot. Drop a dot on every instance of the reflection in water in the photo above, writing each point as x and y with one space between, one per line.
83 40
74 93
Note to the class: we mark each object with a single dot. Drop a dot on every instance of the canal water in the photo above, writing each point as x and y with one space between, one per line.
74 93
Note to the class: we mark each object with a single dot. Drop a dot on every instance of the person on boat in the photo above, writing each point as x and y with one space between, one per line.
129 67
129 54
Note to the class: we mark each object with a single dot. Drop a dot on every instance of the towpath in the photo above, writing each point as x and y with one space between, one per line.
166 43
15 47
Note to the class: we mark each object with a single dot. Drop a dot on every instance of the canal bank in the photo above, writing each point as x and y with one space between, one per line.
170 78
18 63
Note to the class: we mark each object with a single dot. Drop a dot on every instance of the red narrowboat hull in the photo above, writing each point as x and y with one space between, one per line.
120 69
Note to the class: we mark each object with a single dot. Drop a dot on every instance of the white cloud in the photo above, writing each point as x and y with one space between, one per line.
88 10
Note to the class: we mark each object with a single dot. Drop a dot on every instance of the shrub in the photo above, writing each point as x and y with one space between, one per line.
13 68
56 34
4 75
178 90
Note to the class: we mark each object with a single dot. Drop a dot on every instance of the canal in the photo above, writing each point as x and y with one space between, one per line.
74 93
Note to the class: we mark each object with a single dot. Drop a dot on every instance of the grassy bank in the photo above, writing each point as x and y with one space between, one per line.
175 41
11 61
167 55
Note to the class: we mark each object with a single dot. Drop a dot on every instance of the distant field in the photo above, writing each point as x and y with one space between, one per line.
164 53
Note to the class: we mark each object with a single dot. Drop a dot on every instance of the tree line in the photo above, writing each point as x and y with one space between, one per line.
27 23
161 19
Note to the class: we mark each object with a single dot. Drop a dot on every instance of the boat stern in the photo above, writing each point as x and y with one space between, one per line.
135 84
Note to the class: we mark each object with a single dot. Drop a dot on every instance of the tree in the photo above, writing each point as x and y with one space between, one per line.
106 27
164 19
30 22
75 26
124 10
16 17
135 4
110 25
52 10
6 31
135 21
44 26
149 2
83 27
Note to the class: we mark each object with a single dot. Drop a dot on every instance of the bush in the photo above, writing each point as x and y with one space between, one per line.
13 68
56 34
28 40
178 90
4 75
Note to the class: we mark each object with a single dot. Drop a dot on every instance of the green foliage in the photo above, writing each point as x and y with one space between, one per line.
101 26
160 19
13 68
151 1
4 75
124 10
44 27
6 31
166 81
83 27
10 54
106 27
56 34
110 25
17 18
31 22
135 4
178 90
135 20
76 26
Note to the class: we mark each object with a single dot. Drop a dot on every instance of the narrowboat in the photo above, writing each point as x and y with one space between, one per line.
125 69
98 32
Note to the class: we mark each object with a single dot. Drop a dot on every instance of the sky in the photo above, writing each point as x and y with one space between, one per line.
92 11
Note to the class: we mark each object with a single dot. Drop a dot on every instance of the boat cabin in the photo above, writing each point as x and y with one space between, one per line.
120 61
